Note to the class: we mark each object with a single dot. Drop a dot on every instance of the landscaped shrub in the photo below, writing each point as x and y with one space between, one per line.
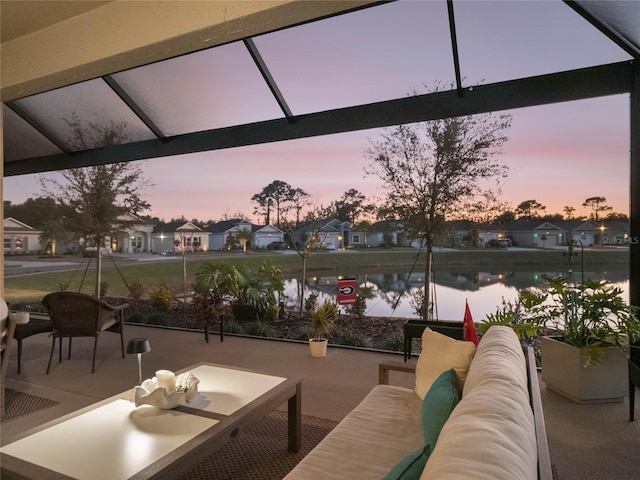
310 304
136 290
259 329
157 318
161 297
395 342
135 318
417 303
350 339
271 313
231 326
359 307
303 336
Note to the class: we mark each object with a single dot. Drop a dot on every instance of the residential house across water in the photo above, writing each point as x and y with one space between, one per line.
176 237
229 234
543 234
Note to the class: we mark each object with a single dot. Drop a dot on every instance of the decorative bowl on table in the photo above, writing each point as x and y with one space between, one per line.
149 393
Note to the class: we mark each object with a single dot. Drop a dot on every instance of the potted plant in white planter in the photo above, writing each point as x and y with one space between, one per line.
523 316
323 321
591 327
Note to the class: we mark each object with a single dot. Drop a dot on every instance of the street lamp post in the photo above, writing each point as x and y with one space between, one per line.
581 259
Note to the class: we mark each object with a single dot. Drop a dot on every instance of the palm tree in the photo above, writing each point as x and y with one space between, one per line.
245 236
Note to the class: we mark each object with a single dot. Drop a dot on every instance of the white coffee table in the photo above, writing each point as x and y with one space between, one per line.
113 439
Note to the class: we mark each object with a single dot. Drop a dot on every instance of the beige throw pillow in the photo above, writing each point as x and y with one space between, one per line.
441 353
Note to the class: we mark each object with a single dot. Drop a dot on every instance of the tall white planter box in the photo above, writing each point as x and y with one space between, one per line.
563 372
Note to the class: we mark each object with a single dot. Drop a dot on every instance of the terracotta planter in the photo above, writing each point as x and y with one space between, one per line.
318 348
563 372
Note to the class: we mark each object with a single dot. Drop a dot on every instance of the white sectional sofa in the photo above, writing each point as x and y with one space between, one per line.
494 431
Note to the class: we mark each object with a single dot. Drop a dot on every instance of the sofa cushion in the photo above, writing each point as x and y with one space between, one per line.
489 436
499 355
411 466
438 404
440 353
370 440
491 432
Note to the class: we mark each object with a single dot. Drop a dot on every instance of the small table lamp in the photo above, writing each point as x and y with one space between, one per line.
139 345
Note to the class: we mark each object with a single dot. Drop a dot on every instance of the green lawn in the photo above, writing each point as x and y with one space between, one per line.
31 288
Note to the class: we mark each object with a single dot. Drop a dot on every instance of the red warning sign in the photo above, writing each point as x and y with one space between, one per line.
347 291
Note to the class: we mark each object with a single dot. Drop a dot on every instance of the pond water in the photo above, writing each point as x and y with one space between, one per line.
391 293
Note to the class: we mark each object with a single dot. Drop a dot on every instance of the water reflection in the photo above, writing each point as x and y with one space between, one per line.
390 294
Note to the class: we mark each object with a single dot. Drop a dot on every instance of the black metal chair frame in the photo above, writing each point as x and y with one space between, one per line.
206 329
414 328
80 315
39 323
5 350
634 382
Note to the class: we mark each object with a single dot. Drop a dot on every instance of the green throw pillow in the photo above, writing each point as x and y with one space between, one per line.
438 403
411 466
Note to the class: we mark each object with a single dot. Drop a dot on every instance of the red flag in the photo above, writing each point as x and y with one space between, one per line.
468 328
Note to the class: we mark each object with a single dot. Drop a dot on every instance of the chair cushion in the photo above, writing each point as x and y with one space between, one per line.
439 354
108 324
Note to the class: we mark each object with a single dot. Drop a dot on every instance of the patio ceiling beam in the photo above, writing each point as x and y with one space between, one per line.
133 106
118 35
588 11
454 47
541 90
45 132
268 78
634 194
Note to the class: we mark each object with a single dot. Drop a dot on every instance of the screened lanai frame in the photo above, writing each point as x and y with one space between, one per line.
282 117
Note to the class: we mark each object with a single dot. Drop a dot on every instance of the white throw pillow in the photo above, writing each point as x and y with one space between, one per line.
441 353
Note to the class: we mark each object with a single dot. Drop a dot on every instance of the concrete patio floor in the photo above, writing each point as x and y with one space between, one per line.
586 441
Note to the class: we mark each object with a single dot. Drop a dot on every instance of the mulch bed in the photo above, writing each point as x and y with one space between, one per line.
380 333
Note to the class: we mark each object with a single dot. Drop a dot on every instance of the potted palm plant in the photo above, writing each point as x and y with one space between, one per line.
323 320
591 327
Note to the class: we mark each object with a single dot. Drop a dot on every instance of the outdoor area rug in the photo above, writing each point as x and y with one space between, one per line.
261 453
18 404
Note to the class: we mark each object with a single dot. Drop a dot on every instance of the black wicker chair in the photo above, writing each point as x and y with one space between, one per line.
80 315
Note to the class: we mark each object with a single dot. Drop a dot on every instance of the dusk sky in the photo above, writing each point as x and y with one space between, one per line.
557 154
